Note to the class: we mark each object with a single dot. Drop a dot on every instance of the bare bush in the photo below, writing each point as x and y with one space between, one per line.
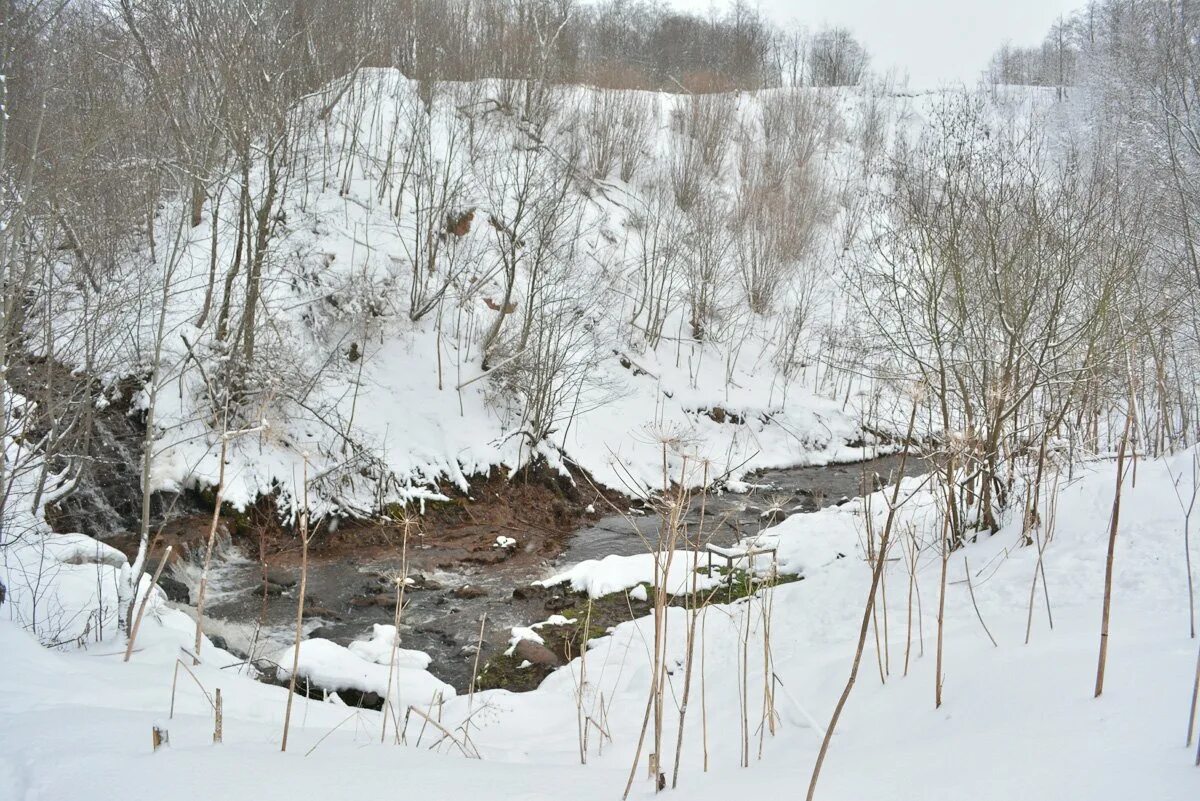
659 227
708 274
836 58
996 276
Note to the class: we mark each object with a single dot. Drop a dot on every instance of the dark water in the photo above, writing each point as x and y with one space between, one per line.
443 619
730 517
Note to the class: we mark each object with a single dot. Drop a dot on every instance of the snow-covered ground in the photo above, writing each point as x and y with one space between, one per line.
1018 720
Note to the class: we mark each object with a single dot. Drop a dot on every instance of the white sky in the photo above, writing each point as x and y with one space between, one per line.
934 42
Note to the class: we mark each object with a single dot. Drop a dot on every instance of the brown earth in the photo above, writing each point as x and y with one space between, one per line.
537 507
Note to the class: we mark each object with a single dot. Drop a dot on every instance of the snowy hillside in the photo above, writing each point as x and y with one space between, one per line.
373 369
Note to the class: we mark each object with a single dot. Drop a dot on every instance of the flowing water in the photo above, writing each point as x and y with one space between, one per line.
444 608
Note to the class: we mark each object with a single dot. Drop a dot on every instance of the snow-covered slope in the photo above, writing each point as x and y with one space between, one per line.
389 408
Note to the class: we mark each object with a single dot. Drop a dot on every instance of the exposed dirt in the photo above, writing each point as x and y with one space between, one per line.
539 508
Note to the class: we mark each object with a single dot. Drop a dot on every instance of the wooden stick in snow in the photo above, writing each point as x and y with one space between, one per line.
287 715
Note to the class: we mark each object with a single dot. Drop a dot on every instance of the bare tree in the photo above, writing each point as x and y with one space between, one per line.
836 58
1017 269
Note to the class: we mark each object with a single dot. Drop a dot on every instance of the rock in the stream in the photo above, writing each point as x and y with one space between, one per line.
175 590
321 633
378 599
774 516
446 638
281 577
525 593
420 581
557 603
274 590
535 653
360 699
468 591
316 610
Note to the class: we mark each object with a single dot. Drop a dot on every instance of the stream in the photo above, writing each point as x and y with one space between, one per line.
444 607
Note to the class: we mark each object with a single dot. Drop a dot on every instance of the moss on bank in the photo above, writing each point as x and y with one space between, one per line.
592 618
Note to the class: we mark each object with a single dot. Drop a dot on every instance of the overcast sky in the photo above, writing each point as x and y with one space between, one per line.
934 42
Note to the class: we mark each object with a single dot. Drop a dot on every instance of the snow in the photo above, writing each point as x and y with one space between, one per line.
1018 720
686 571
330 666
614 573
382 649
530 633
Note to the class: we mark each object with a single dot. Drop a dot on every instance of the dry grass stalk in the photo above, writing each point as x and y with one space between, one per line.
693 614
767 608
345 720
581 718
208 550
1114 523
1188 508
869 522
866 618
475 670
218 718
703 691
1039 569
887 651
673 506
941 616
304 540
175 681
401 581
1192 711
911 560
137 621
446 733
744 681
916 558
640 743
